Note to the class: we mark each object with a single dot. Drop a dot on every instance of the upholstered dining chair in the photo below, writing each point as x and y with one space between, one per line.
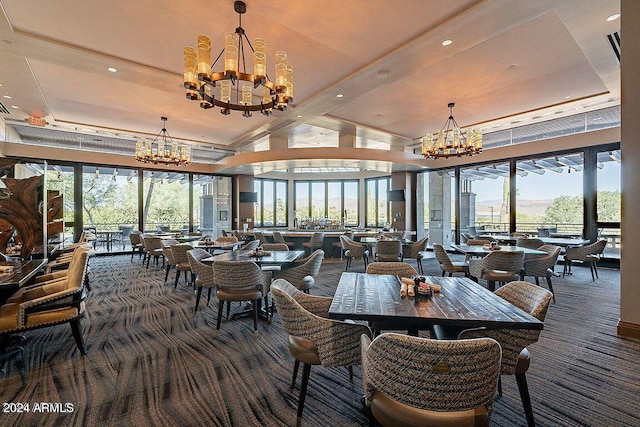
402 269
313 338
315 242
587 254
258 235
135 237
278 238
338 243
203 273
542 266
275 247
448 266
167 255
179 252
303 275
50 303
352 249
388 250
497 266
529 242
515 355
240 281
417 251
412 381
254 244
153 247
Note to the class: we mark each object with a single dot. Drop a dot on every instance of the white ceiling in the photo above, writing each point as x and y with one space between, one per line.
508 59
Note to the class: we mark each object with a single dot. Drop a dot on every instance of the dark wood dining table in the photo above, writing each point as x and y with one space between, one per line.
481 251
22 272
461 303
273 258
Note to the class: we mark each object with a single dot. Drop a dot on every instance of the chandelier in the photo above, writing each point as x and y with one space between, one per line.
231 88
163 149
451 140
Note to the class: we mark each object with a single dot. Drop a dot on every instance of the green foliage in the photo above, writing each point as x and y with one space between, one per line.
564 210
609 206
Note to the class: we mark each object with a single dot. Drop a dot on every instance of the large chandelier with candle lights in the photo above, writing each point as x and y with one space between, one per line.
451 141
163 149
231 88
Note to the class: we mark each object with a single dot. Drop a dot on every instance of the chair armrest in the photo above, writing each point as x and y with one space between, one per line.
315 304
59 274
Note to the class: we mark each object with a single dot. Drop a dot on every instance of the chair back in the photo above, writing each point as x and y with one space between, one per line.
277 237
135 238
275 247
397 268
203 272
251 245
238 274
543 232
529 242
257 235
464 237
227 239
356 249
443 258
388 250
413 250
447 376
179 252
309 266
152 243
505 261
579 253
529 298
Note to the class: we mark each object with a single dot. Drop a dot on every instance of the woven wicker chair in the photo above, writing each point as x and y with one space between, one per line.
227 239
497 266
529 242
352 249
135 237
448 266
240 281
316 242
313 338
417 251
542 266
179 252
412 381
153 248
203 273
254 244
277 238
397 268
303 275
275 247
257 235
587 254
388 250
515 356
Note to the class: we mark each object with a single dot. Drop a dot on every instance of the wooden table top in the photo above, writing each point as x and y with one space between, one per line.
275 257
461 303
22 272
558 241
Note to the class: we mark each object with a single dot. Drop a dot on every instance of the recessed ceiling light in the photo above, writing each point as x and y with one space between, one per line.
6 96
339 95
15 106
113 70
446 42
383 74
299 116
613 17
567 97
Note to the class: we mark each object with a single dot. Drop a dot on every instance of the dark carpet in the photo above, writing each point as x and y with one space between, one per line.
150 362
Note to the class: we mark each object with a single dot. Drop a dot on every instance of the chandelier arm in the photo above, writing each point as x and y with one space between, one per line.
216 61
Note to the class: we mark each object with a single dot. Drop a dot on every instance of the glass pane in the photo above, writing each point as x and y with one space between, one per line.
257 207
301 202
383 203
318 200
372 211
422 200
608 177
549 194
110 205
166 201
211 205
281 203
484 199
351 205
60 180
268 211
440 187
334 202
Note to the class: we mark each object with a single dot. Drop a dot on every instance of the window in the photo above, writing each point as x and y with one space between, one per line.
549 194
333 204
378 207
271 208
166 201
211 204
484 197
608 198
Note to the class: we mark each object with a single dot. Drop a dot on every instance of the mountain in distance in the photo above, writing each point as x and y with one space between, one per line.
528 207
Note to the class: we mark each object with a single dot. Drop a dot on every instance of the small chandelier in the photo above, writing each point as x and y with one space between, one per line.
163 149
201 79
451 140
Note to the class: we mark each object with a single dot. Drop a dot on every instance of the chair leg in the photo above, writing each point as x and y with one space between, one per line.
77 335
220 308
306 371
198 296
553 294
500 386
595 270
256 303
208 296
175 285
228 308
350 372
166 274
420 269
521 379
296 366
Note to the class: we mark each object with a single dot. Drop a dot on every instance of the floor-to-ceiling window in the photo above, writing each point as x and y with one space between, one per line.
484 197
271 207
608 197
330 204
550 194
378 208
211 204
166 201
60 180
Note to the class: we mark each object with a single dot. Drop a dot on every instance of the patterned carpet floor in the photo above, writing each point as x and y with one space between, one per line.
151 362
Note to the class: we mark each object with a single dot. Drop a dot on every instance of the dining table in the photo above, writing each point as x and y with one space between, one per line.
564 241
214 245
481 251
15 274
281 258
461 303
